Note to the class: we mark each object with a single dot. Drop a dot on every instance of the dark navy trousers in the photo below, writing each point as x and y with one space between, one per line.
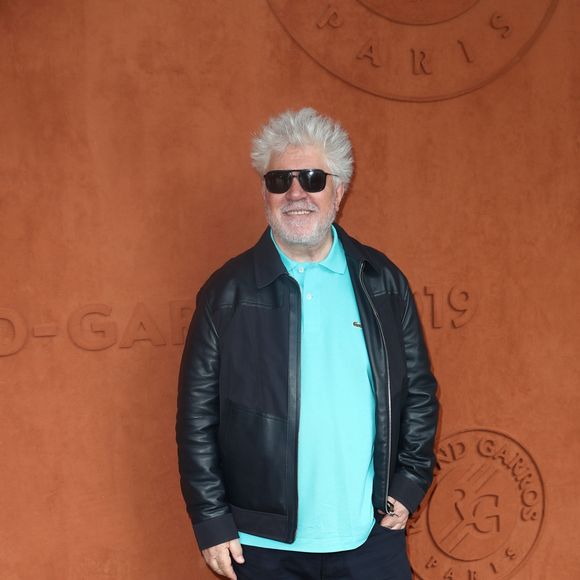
383 556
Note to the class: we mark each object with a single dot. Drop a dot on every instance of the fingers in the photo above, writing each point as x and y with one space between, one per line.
394 526
218 559
396 520
399 508
236 551
223 568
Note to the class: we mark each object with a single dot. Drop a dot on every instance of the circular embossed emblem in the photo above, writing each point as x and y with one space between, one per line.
484 511
415 50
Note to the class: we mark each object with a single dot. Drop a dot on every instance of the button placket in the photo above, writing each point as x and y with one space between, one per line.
311 297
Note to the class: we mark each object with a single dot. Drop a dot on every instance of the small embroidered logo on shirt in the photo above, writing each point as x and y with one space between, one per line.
357 324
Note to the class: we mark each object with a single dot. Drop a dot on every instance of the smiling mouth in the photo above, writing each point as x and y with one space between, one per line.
292 212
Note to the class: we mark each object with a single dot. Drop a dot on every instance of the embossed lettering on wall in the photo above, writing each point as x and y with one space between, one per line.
94 327
415 51
441 307
484 510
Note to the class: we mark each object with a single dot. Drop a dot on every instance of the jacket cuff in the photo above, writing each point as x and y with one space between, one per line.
215 531
406 491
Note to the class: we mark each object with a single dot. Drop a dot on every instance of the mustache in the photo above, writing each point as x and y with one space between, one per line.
299 206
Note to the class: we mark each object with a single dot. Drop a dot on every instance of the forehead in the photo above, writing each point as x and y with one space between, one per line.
308 157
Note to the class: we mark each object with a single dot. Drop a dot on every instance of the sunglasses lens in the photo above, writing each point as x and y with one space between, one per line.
312 180
278 181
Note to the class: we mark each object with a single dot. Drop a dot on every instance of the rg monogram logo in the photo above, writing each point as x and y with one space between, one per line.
484 511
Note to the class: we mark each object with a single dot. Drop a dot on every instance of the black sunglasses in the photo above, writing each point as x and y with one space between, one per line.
311 180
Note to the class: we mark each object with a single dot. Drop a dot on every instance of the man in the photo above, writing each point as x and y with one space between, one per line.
306 407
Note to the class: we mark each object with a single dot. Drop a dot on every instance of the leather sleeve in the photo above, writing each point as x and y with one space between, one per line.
197 432
419 415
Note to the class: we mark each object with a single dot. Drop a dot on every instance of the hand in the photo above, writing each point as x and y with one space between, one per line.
218 558
398 520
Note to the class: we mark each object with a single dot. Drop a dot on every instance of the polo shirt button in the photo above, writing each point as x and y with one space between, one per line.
308 296
301 269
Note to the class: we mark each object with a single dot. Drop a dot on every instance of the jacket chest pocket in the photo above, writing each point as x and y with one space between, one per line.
254 358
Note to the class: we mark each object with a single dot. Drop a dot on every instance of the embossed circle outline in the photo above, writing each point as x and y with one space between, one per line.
436 97
529 457
399 19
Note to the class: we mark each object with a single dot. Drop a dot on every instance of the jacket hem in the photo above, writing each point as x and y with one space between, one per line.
267 525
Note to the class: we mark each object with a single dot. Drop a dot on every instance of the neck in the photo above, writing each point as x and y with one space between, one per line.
306 253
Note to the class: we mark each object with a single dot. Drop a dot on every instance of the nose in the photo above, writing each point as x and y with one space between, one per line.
295 191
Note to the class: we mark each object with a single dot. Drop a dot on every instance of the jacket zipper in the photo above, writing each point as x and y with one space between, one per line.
294 515
388 379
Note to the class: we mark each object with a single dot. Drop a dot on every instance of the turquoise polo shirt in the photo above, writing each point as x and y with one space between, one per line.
337 412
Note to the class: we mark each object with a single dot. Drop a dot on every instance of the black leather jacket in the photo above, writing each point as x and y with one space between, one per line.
239 393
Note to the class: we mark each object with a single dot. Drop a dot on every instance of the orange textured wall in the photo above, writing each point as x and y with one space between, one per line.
125 180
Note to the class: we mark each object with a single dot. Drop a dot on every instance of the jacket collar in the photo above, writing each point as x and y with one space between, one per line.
355 250
268 265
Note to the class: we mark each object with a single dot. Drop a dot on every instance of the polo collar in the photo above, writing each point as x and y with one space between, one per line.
335 260
268 264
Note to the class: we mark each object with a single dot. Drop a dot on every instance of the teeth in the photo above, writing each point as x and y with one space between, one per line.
298 212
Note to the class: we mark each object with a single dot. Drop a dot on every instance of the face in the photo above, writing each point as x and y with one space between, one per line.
297 217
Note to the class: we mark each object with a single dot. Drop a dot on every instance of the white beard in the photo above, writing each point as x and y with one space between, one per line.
306 236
